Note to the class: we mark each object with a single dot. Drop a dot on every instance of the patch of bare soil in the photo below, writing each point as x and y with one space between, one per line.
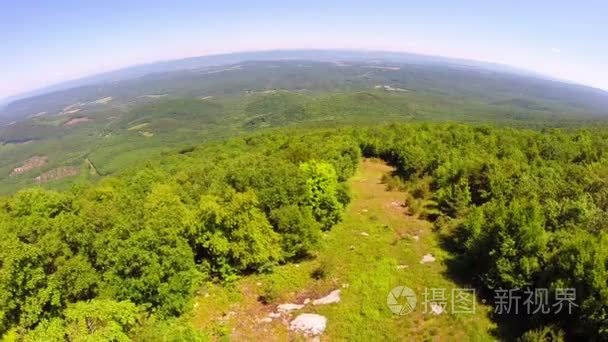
103 100
58 173
71 109
30 164
75 121
389 88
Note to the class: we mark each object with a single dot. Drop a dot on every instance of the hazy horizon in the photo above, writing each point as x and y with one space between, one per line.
47 44
101 72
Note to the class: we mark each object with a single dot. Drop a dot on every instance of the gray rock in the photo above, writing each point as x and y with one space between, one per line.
427 258
332 297
309 324
284 308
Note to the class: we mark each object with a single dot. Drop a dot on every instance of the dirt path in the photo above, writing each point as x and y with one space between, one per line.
92 169
376 248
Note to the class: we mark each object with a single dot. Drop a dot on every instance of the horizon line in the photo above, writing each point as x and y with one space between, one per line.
23 94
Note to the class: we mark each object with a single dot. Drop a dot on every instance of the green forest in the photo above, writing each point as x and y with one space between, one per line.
92 262
122 258
521 209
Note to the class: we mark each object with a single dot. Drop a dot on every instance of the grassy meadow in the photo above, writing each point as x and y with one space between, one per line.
365 268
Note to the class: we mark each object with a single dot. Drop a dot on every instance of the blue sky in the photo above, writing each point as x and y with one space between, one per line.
45 42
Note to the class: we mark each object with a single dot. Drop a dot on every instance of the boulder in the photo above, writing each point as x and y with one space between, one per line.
309 324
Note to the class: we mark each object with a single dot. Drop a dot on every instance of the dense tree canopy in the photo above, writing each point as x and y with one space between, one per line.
521 208
91 261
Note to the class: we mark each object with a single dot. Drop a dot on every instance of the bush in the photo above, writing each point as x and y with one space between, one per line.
323 193
299 231
322 271
545 334
528 208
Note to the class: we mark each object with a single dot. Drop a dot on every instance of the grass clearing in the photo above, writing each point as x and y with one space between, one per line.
140 126
372 251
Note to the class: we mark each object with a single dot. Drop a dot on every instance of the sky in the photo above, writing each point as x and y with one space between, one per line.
46 42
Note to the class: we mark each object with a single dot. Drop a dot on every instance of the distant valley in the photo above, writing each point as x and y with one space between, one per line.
115 119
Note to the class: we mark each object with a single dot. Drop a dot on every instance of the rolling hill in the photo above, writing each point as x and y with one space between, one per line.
192 75
239 197
115 119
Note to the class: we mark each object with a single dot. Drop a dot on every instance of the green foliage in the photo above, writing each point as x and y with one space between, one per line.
100 320
82 264
522 208
52 331
298 229
96 320
167 330
528 207
269 293
236 234
275 109
190 109
322 192
580 262
544 334
322 271
505 243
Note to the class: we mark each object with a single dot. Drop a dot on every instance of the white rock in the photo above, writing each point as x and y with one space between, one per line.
416 237
309 324
364 234
274 315
265 320
427 258
306 301
332 297
289 307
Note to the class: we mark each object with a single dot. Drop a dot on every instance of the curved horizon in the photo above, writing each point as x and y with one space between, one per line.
50 43
48 88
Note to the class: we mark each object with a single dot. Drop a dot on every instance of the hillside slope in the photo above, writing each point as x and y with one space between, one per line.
377 248
315 71
115 125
